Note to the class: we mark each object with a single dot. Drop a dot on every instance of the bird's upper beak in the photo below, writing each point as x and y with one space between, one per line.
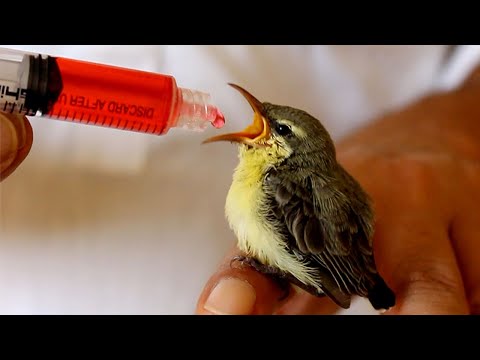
252 134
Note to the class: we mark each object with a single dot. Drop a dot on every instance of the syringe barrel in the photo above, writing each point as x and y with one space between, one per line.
103 95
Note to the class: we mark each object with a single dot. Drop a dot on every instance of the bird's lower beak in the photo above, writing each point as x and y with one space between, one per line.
253 134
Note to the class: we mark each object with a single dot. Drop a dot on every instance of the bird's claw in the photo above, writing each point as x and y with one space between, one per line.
284 286
241 259
274 273
246 260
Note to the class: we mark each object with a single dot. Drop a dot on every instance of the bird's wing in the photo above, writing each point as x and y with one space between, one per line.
323 225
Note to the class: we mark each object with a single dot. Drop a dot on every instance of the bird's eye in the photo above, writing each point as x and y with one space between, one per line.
283 130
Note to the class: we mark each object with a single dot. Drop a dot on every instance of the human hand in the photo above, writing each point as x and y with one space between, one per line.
16 139
421 167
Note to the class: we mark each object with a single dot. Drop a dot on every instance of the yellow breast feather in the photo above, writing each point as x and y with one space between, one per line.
257 238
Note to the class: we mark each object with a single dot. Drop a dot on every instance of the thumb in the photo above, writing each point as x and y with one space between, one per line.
239 290
16 139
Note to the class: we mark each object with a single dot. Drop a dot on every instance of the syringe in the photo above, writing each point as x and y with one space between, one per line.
84 92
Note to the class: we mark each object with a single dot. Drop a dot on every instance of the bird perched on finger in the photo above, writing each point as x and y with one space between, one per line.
298 215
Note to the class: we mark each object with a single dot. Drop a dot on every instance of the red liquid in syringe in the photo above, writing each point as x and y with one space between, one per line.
122 98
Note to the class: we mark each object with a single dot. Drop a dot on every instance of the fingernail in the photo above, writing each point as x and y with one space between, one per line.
12 138
231 296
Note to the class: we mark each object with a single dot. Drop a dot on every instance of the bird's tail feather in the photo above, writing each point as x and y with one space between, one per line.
380 295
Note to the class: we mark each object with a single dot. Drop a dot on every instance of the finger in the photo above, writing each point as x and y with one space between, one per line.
237 290
412 247
466 243
16 138
417 260
302 303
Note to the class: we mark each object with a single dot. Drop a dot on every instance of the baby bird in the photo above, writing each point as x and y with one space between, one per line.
296 212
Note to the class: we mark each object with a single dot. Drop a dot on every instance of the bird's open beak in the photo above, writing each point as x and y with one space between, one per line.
252 134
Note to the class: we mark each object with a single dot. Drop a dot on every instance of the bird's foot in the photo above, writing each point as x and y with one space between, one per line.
274 273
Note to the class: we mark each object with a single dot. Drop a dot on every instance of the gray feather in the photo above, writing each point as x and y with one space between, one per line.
325 225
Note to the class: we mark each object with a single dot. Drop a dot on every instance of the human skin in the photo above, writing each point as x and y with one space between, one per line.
16 138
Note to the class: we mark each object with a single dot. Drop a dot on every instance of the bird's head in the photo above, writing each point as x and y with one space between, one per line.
281 132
